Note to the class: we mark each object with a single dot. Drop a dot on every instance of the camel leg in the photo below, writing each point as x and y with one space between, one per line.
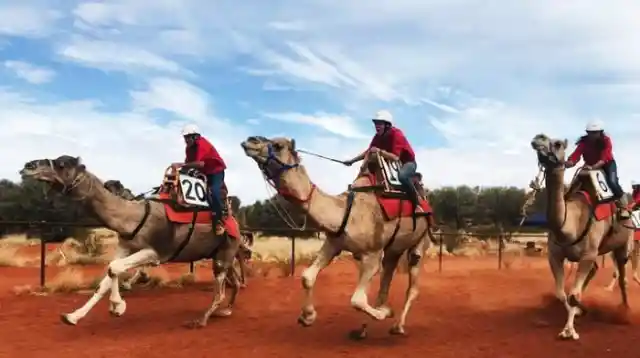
115 268
621 258
368 266
635 258
415 268
584 270
222 264
556 263
614 279
389 264
128 284
324 256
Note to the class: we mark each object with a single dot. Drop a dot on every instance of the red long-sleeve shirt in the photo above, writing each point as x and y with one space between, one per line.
636 197
590 154
396 143
206 152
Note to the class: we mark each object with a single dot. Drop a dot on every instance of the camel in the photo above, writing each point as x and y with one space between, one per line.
146 235
354 222
140 275
575 233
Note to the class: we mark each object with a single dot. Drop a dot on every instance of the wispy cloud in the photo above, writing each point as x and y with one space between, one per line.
28 21
115 56
30 72
176 96
341 125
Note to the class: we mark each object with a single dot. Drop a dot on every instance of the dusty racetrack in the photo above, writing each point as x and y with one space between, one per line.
469 310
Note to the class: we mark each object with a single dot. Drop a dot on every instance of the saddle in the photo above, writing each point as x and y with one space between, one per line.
186 190
595 189
384 174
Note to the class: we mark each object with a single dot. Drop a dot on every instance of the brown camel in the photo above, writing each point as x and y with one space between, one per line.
146 235
354 222
635 258
581 228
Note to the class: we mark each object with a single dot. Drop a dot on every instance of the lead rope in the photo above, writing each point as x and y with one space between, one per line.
280 208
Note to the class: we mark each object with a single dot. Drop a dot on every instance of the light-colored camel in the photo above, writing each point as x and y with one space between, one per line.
574 234
145 235
140 275
354 222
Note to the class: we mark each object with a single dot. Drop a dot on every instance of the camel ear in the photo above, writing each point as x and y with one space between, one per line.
566 143
293 144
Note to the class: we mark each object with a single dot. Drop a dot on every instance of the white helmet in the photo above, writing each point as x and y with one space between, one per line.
594 126
383 115
190 129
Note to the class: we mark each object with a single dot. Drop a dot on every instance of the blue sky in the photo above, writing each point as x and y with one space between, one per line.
469 82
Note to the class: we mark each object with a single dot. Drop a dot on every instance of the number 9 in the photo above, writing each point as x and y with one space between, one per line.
602 183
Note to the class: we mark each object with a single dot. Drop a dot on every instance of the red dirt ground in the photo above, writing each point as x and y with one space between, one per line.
469 310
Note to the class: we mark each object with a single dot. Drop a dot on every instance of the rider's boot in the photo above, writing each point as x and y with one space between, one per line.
623 207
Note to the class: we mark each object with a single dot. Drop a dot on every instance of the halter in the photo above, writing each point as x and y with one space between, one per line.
274 179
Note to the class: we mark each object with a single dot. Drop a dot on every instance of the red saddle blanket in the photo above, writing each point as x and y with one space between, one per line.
203 216
394 208
601 210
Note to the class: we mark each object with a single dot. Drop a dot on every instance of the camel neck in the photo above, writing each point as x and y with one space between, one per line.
556 206
117 214
326 210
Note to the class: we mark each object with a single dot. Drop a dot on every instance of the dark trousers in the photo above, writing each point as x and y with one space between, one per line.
611 171
405 176
214 181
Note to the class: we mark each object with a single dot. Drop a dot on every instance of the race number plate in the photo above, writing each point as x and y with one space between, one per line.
194 191
603 191
390 170
635 217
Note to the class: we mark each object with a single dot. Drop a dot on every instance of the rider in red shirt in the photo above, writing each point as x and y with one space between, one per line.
202 155
596 149
635 194
391 144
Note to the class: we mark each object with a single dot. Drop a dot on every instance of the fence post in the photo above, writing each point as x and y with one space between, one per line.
293 256
43 260
192 267
440 251
500 251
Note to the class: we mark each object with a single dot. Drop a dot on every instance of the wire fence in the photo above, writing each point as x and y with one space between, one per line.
500 238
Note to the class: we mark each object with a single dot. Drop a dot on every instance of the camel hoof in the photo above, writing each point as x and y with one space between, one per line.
66 319
568 335
306 319
386 311
117 309
397 330
196 324
358 334
223 312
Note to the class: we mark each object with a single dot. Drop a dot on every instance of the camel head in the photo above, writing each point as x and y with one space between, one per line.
274 156
62 173
551 152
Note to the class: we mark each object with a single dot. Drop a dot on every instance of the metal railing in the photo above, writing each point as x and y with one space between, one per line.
500 237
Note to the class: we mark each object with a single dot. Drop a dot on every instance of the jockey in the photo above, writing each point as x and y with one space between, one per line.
391 144
597 151
635 194
201 155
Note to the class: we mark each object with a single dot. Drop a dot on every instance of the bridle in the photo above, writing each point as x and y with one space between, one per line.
273 177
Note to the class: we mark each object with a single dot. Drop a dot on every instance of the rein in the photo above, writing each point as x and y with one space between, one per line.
274 181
